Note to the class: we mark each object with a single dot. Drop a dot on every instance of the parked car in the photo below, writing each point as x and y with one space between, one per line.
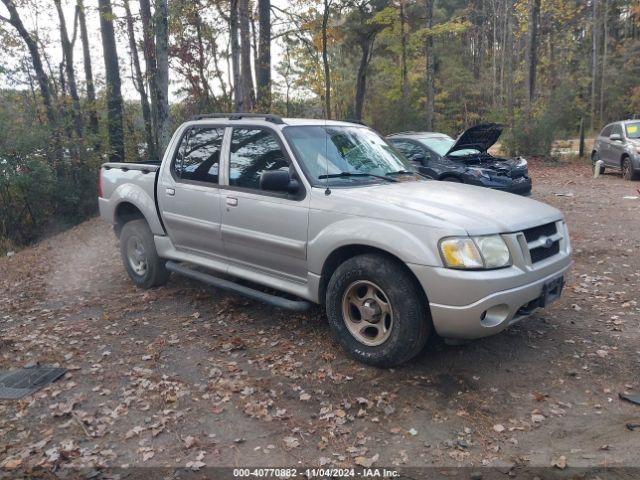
618 146
328 212
465 160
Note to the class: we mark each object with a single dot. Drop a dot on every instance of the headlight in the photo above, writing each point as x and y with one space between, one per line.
488 251
478 172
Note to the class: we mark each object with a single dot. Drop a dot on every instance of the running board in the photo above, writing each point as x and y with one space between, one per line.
274 300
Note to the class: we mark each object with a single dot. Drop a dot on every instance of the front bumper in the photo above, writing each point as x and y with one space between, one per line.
491 314
520 186
469 304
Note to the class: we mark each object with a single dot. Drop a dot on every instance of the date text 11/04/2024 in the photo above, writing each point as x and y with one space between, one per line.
316 472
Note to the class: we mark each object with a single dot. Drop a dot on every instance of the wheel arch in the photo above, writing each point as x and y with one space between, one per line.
124 212
343 253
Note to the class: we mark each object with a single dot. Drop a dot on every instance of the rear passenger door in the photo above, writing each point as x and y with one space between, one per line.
263 230
189 196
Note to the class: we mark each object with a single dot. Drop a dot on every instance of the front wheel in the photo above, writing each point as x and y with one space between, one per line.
376 311
139 255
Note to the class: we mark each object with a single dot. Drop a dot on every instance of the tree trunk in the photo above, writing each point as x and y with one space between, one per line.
112 74
67 50
238 94
509 48
206 89
248 93
430 58
325 60
404 80
162 57
88 75
41 76
139 84
263 68
594 63
605 41
149 52
361 77
532 49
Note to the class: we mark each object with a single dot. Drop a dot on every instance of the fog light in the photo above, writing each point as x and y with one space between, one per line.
494 316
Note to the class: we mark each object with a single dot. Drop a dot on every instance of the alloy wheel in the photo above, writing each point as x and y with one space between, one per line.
136 255
367 313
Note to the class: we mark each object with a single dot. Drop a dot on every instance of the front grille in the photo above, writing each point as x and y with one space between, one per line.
541 253
535 233
543 241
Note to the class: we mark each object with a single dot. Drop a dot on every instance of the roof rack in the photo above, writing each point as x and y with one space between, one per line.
240 115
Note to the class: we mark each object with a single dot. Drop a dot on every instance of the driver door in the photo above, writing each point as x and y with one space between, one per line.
616 147
263 230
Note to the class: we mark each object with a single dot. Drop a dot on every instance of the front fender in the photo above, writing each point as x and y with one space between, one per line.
410 243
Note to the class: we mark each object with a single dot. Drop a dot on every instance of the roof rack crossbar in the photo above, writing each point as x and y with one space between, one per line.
240 115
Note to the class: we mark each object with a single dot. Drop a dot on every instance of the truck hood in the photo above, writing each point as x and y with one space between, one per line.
481 137
476 210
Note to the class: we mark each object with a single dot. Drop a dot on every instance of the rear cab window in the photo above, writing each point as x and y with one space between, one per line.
198 156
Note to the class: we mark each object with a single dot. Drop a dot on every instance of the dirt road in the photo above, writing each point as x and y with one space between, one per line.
189 376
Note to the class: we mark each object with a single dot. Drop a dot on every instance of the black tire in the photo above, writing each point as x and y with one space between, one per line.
411 320
452 179
155 273
594 159
628 173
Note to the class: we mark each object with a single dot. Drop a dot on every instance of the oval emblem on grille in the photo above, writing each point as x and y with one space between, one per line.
547 243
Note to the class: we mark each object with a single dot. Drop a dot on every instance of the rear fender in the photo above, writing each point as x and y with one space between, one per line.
139 198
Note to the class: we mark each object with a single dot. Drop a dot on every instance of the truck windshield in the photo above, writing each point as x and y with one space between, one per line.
343 155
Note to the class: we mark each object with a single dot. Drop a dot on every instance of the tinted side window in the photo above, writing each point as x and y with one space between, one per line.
617 128
253 151
412 151
199 155
606 131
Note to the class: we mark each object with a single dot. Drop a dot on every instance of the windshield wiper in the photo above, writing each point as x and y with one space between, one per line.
402 172
357 174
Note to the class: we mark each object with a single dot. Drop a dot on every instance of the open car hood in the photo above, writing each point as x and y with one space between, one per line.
481 137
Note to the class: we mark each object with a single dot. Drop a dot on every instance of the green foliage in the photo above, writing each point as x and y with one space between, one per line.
38 196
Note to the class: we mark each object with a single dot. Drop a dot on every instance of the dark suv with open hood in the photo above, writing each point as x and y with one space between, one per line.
465 160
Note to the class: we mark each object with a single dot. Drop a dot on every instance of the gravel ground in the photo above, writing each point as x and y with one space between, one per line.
188 376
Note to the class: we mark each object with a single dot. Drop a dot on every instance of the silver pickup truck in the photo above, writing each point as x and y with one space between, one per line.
328 212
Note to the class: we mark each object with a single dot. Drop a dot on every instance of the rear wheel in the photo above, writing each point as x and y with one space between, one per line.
139 255
627 169
376 311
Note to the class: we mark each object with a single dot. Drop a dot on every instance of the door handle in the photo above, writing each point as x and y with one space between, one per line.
232 201
170 191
